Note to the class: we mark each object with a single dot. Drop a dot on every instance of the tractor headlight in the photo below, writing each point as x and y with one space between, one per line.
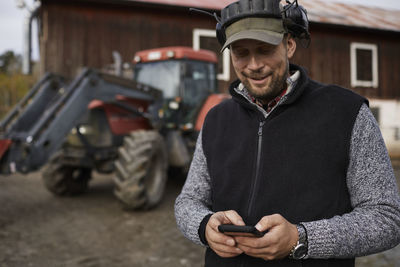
173 105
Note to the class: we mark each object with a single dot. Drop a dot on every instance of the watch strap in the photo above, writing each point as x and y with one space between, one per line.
302 234
302 244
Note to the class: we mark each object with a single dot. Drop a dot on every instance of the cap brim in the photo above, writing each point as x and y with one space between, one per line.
269 37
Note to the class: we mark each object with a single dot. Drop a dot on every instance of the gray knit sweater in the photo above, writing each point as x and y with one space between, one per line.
372 226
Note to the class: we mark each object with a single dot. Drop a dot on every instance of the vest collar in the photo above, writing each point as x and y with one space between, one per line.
292 96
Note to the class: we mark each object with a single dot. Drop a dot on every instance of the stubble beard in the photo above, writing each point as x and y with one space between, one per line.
271 90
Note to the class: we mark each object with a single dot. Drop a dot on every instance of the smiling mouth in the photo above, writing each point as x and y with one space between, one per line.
257 77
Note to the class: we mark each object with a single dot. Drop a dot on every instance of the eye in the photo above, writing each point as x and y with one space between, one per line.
266 49
240 52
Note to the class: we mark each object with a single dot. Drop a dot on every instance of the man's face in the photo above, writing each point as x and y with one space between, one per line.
262 67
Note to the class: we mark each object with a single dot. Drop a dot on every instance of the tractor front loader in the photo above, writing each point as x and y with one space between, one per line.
67 125
136 129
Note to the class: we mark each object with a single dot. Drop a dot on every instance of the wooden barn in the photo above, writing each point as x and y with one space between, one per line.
357 47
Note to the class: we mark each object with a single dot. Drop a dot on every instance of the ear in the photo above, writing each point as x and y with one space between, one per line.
291 46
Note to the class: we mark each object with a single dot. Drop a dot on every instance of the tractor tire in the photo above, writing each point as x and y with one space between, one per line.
141 170
65 180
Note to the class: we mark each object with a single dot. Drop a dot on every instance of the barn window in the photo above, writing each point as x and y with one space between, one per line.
206 39
364 65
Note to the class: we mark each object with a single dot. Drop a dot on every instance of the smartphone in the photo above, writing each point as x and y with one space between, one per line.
239 230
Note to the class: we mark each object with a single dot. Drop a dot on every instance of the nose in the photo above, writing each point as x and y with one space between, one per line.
254 63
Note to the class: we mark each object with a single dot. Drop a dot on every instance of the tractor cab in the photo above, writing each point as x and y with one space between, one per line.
185 76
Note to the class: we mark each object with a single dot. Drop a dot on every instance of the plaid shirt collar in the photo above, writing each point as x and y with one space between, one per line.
291 82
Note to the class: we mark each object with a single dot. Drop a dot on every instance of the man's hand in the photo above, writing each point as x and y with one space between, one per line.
223 245
276 244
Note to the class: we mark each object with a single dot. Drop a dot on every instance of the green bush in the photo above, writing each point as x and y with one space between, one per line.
12 88
13 84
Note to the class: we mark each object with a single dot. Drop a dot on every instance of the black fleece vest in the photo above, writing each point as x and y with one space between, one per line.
293 163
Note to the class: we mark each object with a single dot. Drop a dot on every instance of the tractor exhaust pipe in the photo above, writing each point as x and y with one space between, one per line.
27 52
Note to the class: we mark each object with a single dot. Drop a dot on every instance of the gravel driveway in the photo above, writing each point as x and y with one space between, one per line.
39 229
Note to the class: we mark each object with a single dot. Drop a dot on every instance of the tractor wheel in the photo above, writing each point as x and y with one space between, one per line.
141 170
65 180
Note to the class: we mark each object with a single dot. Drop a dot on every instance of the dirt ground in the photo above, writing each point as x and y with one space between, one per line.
39 229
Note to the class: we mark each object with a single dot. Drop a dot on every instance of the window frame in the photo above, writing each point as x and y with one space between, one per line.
226 67
374 83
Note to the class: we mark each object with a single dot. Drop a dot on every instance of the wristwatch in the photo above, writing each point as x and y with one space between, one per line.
299 251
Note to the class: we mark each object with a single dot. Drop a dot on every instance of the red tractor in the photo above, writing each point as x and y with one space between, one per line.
136 129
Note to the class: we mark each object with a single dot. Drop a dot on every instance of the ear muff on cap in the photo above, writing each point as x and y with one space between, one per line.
220 33
296 21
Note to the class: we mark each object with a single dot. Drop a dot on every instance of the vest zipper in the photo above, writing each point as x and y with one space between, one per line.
257 172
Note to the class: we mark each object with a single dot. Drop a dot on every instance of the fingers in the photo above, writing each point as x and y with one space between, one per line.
232 217
224 250
226 217
268 222
223 245
265 247
275 244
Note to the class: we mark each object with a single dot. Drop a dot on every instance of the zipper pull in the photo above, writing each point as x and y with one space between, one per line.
260 127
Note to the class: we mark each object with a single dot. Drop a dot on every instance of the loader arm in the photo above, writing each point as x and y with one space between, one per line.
39 131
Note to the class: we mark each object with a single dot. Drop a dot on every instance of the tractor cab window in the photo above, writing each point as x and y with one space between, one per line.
192 80
162 75
199 81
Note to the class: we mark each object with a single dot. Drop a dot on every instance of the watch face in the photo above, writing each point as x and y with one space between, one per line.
299 252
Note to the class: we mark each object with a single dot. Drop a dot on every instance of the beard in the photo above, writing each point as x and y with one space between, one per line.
271 89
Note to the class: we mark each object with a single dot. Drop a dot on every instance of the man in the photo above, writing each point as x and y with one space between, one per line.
299 159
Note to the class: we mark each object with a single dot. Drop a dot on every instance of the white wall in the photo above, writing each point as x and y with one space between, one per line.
389 122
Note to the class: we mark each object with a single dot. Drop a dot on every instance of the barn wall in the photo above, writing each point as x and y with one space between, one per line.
328 58
74 36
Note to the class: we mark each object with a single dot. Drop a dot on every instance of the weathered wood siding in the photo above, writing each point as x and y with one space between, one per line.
328 58
85 35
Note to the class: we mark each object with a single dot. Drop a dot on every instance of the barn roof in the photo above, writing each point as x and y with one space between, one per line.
319 11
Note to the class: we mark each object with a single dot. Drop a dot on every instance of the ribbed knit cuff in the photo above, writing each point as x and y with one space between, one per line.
321 241
202 229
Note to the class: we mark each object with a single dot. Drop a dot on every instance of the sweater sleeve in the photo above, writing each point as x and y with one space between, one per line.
373 225
193 204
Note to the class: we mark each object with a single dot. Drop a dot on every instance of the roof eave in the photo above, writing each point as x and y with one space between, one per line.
361 29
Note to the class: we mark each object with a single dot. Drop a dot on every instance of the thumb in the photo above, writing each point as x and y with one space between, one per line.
232 217
267 222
